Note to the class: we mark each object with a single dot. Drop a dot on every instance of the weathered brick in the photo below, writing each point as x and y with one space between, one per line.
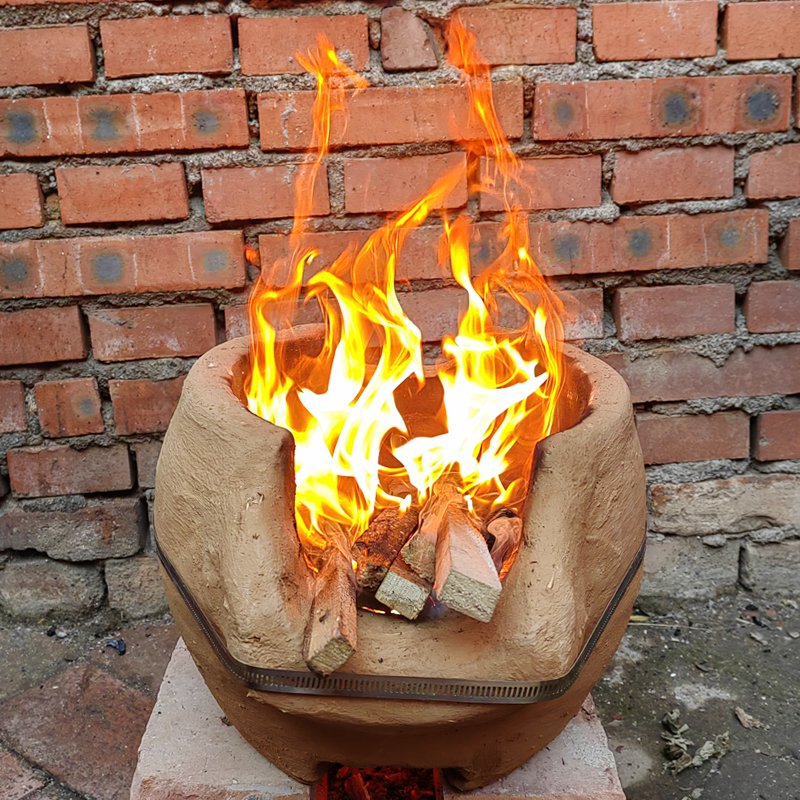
269 46
392 184
144 406
773 306
135 587
40 335
18 777
21 201
406 41
777 436
47 471
106 529
523 35
243 193
671 312
236 322
640 109
123 123
167 45
679 375
120 264
699 437
436 312
122 194
58 55
790 246
641 31
146 460
734 505
32 588
12 407
69 407
761 30
387 115
774 173
772 569
691 173
551 182
129 334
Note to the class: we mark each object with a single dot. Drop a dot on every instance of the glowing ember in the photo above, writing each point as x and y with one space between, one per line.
354 454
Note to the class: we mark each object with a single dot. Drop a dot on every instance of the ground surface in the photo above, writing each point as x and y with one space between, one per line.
72 710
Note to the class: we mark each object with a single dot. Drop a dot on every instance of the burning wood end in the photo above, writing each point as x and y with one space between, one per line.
404 590
331 634
378 547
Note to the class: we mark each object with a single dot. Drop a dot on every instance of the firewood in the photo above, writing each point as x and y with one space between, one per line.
466 578
356 788
403 590
331 633
505 531
380 543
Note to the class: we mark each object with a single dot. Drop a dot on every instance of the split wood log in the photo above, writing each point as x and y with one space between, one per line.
505 531
331 634
380 543
403 590
356 788
466 578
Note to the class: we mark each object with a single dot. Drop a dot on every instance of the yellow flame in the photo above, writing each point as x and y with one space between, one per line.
354 453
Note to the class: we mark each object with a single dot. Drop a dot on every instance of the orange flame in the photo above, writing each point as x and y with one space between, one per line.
354 452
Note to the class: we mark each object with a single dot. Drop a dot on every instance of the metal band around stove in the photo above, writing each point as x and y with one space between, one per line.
346 684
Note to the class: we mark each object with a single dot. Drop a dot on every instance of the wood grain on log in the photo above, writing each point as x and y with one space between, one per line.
331 634
380 543
403 590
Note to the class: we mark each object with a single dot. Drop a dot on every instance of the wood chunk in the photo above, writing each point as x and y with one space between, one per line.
380 543
466 578
331 633
356 788
507 533
403 590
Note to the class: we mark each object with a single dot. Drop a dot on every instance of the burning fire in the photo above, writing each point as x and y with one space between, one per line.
354 454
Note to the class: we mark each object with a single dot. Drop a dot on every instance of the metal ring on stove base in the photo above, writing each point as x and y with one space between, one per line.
348 684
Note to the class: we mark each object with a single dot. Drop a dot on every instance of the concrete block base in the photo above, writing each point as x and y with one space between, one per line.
190 751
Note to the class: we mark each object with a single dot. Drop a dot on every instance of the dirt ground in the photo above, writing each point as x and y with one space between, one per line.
72 709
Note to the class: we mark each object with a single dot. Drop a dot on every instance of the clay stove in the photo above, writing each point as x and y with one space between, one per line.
474 696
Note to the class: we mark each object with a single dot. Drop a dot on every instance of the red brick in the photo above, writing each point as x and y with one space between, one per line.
69 407
774 173
761 30
167 45
269 46
393 184
18 778
122 264
790 246
406 41
777 436
124 123
669 375
41 335
122 194
12 407
639 109
146 460
691 173
236 322
681 438
21 202
244 193
552 182
57 55
642 31
773 307
53 470
129 334
388 115
144 406
523 35
418 259
671 312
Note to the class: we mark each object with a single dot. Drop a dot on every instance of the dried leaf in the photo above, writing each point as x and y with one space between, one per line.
746 720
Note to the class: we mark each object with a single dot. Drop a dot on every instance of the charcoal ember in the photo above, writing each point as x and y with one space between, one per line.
382 783
380 543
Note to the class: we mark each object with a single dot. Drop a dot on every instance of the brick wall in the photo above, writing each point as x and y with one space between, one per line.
145 147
